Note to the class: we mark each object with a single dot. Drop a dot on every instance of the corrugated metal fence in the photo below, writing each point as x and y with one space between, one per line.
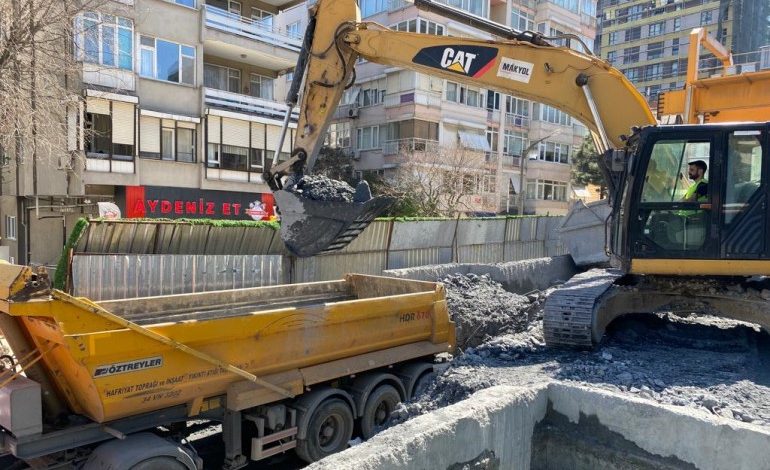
120 259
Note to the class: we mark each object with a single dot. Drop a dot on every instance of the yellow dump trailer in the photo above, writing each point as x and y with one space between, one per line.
301 362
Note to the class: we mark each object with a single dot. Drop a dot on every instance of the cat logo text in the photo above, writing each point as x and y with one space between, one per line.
472 61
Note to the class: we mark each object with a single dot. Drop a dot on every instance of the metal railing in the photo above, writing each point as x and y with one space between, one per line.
394 147
247 104
516 120
222 20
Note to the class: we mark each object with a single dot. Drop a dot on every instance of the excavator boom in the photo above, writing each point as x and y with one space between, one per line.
579 84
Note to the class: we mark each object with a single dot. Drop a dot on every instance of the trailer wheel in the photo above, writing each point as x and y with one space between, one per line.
329 430
160 463
422 383
380 404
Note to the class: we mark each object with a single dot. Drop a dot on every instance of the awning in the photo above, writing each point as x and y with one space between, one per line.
474 141
514 179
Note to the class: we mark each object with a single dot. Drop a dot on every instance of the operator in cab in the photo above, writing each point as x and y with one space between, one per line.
698 191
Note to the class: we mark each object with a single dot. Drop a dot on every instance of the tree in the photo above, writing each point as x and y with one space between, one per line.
585 166
434 181
335 163
38 73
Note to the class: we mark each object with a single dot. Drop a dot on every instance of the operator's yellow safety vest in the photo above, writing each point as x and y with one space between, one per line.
694 187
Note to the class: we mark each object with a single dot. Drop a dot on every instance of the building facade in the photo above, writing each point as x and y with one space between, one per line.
392 115
180 112
648 40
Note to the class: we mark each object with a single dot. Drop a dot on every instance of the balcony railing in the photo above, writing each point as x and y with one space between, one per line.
247 104
222 20
516 120
394 147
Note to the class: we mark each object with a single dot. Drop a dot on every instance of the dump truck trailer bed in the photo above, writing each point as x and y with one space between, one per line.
272 353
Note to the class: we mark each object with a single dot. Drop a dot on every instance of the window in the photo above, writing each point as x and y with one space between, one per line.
167 143
633 34
611 57
706 17
517 106
677 24
632 73
493 100
492 136
234 7
744 171
168 61
546 190
553 152
654 50
372 7
631 55
656 29
589 7
464 95
420 25
294 29
543 112
612 38
262 18
187 3
338 135
98 134
106 40
653 72
261 86
522 20
222 78
371 93
675 47
290 76
10 227
571 5
635 12
475 7
185 145
368 137
514 143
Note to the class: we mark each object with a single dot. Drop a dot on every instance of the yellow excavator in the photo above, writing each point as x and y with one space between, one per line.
689 202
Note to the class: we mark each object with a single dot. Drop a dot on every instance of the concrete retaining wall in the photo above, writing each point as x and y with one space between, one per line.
495 427
516 276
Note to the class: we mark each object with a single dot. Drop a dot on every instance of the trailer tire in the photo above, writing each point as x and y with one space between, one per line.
422 383
380 404
328 432
160 463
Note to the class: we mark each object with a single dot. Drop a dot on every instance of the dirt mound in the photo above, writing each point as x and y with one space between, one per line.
482 309
321 188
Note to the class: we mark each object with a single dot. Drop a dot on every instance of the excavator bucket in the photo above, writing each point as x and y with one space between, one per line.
310 227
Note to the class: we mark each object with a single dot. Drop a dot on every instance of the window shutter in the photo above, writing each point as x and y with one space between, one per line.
212 124
257 135
235 132
185 125
149 134
97 106
123 120
273 134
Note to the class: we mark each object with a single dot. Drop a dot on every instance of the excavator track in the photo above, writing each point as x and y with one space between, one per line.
569 311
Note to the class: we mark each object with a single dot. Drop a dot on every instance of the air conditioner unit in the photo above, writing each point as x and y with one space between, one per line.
353 112
65 162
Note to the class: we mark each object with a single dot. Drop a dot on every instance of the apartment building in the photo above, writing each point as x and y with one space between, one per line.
180 113
649 40
392 115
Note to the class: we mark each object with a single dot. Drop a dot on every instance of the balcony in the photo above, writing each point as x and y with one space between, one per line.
242 39
407 146
247 104
516 120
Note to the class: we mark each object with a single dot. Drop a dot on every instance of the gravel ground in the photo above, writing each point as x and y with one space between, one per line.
715 364
321 188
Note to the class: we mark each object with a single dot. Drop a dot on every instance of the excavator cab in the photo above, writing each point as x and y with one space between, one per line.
697 194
